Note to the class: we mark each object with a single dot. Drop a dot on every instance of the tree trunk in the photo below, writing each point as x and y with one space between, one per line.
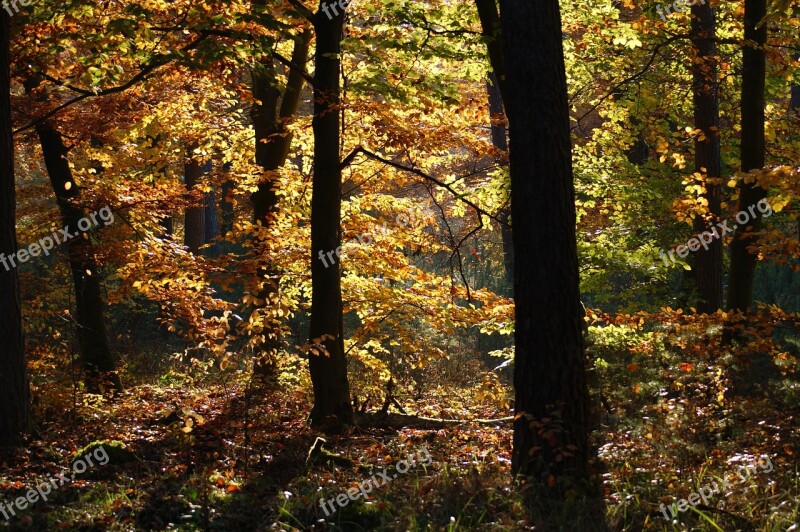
211 220
273 142
492 33
14 391
743 263
500 142
226 211
96 356
549 373
329 370
194 226
707 158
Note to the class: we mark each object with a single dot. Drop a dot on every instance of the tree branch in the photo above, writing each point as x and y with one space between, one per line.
460 196
157 62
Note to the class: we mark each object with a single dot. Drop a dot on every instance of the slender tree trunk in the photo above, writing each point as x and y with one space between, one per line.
549 372
14 391
743 263
194 226
273 143
492 34
707 159
211 219
226 211
329 371
96 356
500 142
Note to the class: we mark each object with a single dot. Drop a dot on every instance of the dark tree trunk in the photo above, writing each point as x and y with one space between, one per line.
329 371
273 143
500 141
168 224
96 356
211 220
708 263
743 263
14 391
194 225
549 372
273 138
492 34
226 212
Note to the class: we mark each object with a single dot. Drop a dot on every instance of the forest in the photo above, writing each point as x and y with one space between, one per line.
400 265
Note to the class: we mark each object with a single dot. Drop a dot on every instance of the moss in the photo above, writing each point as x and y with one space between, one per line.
103 453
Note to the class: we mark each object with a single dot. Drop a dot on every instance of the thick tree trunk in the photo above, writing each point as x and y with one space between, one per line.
329 370
743 263
194 225
549 372
96 356
707 159
14 391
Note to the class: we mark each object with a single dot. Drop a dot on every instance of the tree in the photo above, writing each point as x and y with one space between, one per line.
707 158
551 428
751 151
329 368
273 142
95 354
14 392
195 216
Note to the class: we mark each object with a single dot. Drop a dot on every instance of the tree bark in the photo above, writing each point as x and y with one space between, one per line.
329 370
707 159
743 263
14 390
551 427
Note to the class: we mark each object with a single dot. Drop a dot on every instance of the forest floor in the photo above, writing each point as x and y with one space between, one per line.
211 456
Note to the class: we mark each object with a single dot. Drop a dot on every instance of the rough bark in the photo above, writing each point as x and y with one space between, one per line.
329 371
707 159
549 372
14 391
743 263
